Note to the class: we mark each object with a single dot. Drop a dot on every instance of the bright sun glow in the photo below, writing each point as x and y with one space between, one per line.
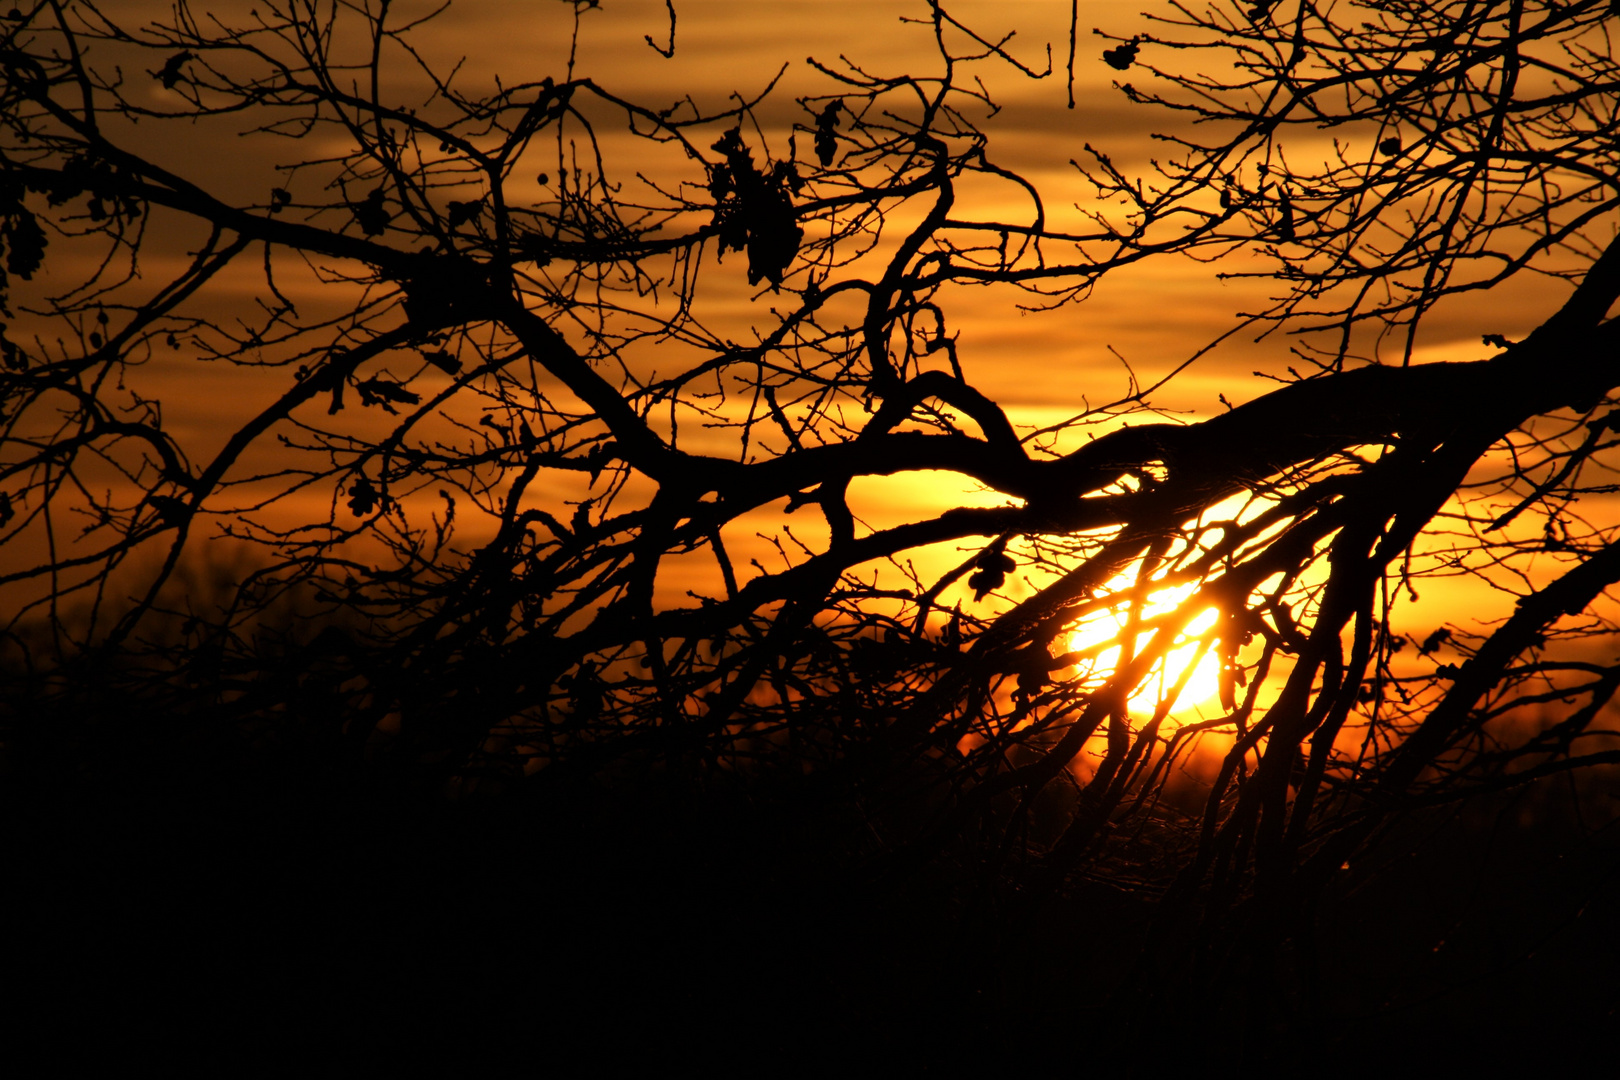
1104 626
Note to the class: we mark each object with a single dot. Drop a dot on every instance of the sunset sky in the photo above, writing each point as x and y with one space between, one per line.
1040 367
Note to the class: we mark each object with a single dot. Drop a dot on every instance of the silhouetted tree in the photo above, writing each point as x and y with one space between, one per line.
473 325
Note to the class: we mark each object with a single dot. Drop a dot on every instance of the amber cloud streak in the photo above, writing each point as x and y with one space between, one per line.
1041 366
1135 327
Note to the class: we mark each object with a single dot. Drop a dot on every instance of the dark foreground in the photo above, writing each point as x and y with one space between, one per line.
200 902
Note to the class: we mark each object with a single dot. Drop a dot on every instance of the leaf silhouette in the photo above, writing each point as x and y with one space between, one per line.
173 511
463 212
993 566
377 391
170 75
362 497
754 210
25 243
371 214
1285 223
1121 57
1434 641
827 133
785 172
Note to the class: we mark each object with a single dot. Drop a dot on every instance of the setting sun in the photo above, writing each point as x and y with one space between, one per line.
1107 625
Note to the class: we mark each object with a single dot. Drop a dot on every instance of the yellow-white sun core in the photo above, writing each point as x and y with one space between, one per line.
1107 626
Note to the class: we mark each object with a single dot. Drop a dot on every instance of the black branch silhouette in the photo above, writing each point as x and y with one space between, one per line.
522 508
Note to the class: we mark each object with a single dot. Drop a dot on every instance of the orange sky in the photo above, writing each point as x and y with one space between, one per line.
1040 367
